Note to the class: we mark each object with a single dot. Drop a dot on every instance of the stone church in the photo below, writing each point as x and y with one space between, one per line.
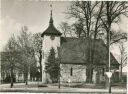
74 56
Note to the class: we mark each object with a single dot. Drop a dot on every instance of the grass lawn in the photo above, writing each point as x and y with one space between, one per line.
91 86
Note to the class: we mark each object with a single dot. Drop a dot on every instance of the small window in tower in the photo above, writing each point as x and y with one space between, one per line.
71 71
52 37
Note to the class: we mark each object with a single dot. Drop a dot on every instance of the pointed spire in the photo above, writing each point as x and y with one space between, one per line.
51 30
51 19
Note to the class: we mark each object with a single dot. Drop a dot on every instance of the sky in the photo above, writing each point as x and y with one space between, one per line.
35 15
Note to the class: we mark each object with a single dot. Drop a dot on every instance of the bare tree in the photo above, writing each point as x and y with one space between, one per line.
66 29
11 58
89 14
97 16
37 46
117 37
112 12
24 44
78 28
123 57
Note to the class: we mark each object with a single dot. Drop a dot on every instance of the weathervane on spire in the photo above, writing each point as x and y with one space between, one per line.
51 9
51 20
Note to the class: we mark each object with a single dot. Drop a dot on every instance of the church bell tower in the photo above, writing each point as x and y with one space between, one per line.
50 39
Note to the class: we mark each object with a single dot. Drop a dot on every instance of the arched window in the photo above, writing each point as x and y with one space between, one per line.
71 71
103 72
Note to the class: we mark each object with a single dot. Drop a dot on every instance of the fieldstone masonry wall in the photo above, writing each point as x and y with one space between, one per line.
78 73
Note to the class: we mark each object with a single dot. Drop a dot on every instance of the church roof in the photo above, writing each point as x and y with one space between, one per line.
51 30
75 51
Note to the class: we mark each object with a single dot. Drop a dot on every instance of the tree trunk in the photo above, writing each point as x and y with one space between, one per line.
40 60
11 76
59 75
26 83
26 78
89 74
121 71
90 70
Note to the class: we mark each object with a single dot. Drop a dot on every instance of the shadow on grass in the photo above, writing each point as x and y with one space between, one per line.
81 85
